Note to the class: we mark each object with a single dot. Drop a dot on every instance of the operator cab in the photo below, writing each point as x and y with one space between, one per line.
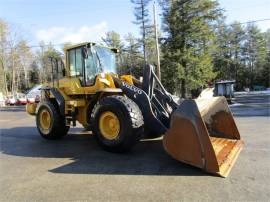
87 60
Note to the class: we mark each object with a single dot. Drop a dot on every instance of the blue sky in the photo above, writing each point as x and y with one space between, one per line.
58 21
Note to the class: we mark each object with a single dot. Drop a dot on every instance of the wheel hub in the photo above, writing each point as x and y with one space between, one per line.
45 119
109 125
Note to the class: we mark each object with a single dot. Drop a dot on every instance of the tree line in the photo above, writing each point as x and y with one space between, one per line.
197 48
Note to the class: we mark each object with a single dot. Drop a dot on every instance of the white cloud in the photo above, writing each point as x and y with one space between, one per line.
72 34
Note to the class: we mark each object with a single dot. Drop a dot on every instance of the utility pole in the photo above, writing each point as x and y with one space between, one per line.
156 37
144 32
42 65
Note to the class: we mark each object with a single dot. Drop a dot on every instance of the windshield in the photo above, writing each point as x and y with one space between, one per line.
106 59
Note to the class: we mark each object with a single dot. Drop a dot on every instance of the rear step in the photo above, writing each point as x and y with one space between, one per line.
203 134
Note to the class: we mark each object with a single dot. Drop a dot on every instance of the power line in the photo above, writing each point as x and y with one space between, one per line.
252 21
242 23
62 44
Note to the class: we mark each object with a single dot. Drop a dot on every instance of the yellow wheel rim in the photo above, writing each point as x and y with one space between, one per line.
109 125
45 119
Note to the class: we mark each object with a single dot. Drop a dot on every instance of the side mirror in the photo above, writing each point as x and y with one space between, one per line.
85 52
115 50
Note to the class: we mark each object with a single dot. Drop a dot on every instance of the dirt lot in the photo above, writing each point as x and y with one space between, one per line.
76 169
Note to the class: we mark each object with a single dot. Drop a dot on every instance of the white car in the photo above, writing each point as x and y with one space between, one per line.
33 96
11 100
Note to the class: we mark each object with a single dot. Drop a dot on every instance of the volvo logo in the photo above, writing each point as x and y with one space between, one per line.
133 88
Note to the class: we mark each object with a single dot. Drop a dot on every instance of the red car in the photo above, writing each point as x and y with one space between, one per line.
21 99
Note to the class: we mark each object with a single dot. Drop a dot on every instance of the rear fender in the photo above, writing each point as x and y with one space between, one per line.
58 98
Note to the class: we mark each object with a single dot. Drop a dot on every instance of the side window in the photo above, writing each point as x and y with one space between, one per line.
90 70
79 63
75 62
72 62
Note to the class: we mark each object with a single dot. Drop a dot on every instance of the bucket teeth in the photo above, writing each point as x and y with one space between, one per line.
203 134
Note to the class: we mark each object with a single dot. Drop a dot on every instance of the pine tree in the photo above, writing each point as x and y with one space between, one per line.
265 73
133 57
141 13
237 36
221 56
187 49
113 40
228 54
254 53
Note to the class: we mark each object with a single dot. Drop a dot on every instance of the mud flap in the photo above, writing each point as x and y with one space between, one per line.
203 134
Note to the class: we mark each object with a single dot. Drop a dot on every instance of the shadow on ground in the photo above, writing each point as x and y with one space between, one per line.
147 158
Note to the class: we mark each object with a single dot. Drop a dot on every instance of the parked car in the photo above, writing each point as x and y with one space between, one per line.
21 99
11 100
33 95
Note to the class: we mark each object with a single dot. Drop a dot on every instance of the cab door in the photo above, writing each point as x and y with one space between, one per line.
76 64
91 68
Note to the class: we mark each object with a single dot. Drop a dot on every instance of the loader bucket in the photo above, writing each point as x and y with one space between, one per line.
203 134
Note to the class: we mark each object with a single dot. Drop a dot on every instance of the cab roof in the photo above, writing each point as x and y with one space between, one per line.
79 45
89 44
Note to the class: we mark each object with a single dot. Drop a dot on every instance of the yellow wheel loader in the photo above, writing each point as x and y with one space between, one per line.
121 110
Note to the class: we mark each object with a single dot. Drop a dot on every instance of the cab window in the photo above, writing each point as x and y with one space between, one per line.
90 69
75 62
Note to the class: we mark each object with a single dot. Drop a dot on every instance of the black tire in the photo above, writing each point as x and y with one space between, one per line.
151 134
130 119
57 128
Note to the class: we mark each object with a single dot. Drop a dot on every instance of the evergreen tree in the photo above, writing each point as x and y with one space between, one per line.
113 40
254 53
133 56
228 61
222 56
141 13
187 49
264 74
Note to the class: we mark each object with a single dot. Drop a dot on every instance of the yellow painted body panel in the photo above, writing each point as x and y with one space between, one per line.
100 84
31 108
128 79
76 103
82 114
71 86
